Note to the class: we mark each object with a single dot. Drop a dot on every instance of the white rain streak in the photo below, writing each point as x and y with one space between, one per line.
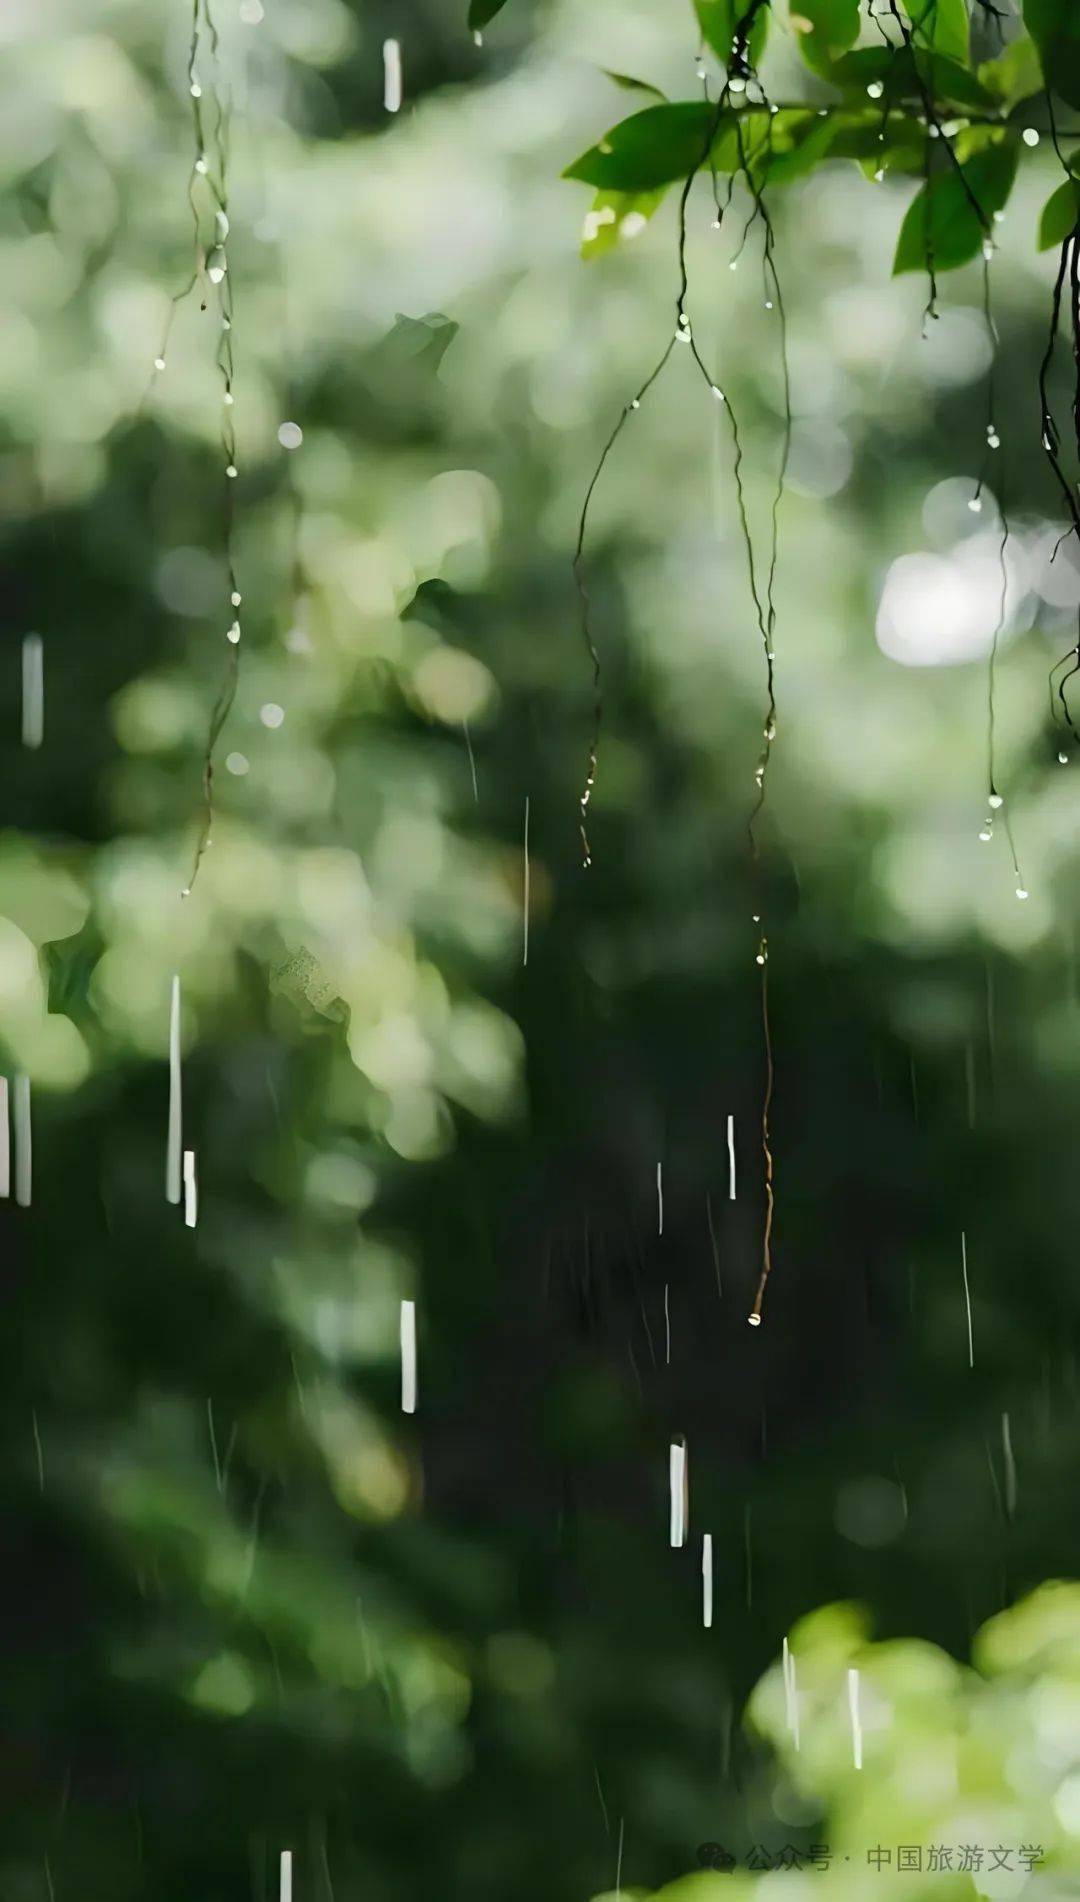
285 1884
706 1581
791 1695
5 1140
856 1720
525 892
967 1298
191 1189
392 93
731 1157
408 1357
1010 1466
24 1151
174 1138
677 1476
667 1324
33 690
472 760
659 1198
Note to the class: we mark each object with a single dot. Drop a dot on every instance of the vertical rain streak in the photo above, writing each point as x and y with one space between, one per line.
967 1297
678 1483
392 78
791 1695
408 1357
855 1716
525 895
33 691
24 1154
191 1190
174 1134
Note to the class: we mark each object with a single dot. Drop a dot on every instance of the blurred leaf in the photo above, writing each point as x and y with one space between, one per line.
1014 75
900 72
942 25
796 144
942 220
422 341
649 150
858 136
1054 25
664 143
825 29
40 894
719 22
481 11
617 217
629 84
70 966
1059 214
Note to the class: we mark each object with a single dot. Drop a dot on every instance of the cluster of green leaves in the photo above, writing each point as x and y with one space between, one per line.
985 1721
923 104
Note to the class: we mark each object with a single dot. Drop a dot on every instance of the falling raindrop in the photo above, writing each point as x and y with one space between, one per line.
174 1136
33 691
191 1190
24 1155
392 75
408 1357
678 1482
856 1720
967 1293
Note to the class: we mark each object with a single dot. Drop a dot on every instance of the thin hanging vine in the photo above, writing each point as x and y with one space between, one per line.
907 95
208 197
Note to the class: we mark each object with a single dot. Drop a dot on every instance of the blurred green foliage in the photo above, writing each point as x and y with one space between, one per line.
254 1608
969 1782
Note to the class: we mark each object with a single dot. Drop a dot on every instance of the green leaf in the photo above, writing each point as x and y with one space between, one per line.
481 11
629 84
418 343
1014 75
942 221
793 142
719 21
1054 25
648 150
774 148
941 25
857 135
653 148
1059 215
899 72
615 218
825 29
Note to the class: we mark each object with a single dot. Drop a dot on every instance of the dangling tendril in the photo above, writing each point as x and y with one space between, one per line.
681 334
208 197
